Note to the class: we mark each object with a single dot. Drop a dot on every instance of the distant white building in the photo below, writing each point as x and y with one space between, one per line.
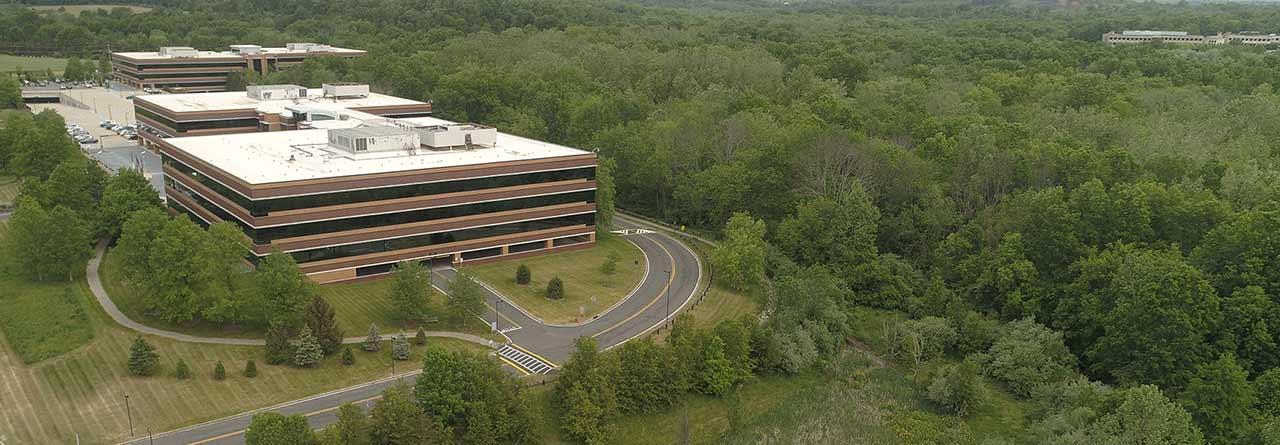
1183 38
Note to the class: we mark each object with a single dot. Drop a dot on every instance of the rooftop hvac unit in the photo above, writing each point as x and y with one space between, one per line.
345 90
178 51
308 47
457 135
372 139
275 92
246 50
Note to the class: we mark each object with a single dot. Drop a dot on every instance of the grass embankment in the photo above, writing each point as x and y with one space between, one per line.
580 271
859 398
10 63
77 9
356 305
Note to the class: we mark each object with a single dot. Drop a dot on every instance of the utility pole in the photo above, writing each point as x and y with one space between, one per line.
129 413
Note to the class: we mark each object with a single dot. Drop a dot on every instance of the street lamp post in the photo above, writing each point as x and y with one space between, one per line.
128 413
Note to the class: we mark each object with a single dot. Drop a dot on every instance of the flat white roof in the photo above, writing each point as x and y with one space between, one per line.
261 158
155 55
239 100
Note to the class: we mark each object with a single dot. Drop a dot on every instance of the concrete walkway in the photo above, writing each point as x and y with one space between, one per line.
100 293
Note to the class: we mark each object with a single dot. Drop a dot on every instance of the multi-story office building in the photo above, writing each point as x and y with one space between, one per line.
1183 38
185 69
262 108
349 193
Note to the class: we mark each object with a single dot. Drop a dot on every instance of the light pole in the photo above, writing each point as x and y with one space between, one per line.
128 413
496 303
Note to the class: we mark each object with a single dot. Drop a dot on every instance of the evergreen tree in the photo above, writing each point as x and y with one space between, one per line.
400 348
251 369
143 358
373 343
278 348
420 338
182 371
347 357
219 371
308 353
555 288
320 318
523 275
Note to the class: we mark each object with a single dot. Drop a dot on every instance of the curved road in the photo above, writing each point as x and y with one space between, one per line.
659 296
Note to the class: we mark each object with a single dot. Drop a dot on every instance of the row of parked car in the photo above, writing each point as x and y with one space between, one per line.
80 135
61 85
129 132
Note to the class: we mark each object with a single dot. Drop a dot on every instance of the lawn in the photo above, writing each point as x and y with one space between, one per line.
41 320
10 63
8 189
586 286
356 305
77 9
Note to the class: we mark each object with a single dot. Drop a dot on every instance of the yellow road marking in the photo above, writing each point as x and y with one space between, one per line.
513 365
235 433
526 351
671 279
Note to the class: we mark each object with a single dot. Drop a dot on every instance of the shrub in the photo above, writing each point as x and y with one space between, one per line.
143 358
400 348
958 388
523 276
251 369
279 350
924 339
347 357
555 288
610 264
182 371
373 343
1028 355
420 338
219 371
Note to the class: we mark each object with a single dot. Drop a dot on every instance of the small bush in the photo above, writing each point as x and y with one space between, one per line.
182 371
400 348
523 276
347 357
421 337
958 388
610 264
251 369
143 358
555 288
219 371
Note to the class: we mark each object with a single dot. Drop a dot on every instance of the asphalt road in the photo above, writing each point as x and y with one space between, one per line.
645 309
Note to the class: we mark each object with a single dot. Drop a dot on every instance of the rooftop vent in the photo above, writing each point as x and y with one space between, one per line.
451 136
308 47
246 50
372 139
276 92
178 51
345 90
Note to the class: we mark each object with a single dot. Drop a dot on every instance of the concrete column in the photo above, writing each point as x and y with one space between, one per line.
591 237
505 250
550 243
457 258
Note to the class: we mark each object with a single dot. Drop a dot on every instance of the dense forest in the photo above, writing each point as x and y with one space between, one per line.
1092 227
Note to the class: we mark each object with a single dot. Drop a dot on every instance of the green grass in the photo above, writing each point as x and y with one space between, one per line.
12 63
580 271
77 9
356 305
41 320
8 189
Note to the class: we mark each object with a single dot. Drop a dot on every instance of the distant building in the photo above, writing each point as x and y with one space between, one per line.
1182 38
329 177
185 69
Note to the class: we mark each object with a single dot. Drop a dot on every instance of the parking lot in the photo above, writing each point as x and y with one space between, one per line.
112 150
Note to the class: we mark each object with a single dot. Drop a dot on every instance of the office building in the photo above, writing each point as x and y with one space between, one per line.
1183 38
185 69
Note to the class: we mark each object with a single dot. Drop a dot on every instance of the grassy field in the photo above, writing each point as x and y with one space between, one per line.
41 320
356 306
77 9
580 271
12 63
8 189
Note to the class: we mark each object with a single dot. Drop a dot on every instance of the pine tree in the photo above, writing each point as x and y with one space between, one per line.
308 352
182 371
400 348
219 371
279 350
319 316
523 275
143 358
373 342
251 369
420 338
555 288
347 357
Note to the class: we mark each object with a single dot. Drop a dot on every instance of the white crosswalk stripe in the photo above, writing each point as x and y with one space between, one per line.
526 361
632 231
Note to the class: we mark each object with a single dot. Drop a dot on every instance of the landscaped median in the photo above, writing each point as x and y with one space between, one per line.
588 289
